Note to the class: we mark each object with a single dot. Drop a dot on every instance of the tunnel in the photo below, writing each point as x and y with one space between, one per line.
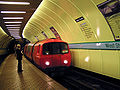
90 27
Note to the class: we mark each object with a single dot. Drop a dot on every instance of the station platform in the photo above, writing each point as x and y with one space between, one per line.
30 79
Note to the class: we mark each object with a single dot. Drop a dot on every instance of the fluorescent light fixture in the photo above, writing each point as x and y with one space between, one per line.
13 12
13 25
17 3
17 37
14 22
13 18
13 29
15 33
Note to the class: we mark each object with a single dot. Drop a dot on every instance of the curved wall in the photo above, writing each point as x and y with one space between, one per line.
61 14
4 41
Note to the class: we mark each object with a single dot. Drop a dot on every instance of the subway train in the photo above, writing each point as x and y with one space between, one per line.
50 54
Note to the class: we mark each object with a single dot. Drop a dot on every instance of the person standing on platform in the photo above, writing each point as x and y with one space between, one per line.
19 58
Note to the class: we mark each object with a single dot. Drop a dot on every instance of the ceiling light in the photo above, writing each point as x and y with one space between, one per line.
13 12
18 3
13 29
14 32
12 17
17 34
13 22
14 25
17 37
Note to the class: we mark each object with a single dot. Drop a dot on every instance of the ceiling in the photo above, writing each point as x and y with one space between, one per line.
16 30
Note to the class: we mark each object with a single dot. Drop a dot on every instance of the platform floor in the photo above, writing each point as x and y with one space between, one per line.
30 79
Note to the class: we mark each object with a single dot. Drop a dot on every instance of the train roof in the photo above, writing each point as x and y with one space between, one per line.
45 41
49 40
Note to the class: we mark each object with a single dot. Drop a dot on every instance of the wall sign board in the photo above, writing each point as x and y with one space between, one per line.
85 28
111 45
44 34
111 11
55 33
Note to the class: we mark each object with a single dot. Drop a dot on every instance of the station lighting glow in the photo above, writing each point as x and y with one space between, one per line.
98 44
98 31
13 29
16 3
14 34
87 59
13 18
13 12
13 22
17 36
14 25
17 33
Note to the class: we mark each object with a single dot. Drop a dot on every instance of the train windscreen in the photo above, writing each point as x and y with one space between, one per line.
55 48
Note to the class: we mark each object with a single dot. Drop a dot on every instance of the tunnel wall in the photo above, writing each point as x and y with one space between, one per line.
93 28
4 41
61 14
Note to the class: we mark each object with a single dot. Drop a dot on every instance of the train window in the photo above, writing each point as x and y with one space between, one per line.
55 48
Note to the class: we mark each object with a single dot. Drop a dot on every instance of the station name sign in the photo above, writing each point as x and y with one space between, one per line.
113 45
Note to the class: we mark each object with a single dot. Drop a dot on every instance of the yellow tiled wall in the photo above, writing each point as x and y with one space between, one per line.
106 62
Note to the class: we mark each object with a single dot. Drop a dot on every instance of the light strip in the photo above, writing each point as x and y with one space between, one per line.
13 22
13 18
14 25
18 3
13 12
13 29
17 33
14 34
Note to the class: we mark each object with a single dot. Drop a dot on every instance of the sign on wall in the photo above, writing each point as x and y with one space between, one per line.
55 33
85 28
111 11
44 34
113 45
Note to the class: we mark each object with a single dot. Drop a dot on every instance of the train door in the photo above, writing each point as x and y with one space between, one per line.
56 57
36 54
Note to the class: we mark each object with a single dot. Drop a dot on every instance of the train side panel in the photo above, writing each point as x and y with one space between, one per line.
37 54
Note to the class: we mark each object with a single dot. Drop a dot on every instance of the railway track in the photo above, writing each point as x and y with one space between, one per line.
76 80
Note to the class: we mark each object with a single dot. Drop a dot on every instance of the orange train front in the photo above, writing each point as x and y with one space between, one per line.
49 54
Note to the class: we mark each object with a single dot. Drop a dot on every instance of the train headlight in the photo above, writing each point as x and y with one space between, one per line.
65 61
47 63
